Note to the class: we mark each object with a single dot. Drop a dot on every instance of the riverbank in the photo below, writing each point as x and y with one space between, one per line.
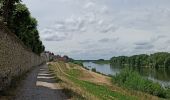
131 79
160 76
81 83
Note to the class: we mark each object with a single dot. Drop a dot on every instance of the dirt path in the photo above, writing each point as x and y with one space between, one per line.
40 85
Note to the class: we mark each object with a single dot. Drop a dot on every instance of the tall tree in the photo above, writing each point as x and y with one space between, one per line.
20 22
167 63
25 27
7 9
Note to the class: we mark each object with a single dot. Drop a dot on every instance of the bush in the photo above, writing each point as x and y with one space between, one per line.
86 68
78 63
93 69
133 80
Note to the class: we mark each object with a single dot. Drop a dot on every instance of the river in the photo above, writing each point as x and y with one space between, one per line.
161 76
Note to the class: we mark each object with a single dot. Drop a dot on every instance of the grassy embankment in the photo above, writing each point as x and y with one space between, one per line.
80 83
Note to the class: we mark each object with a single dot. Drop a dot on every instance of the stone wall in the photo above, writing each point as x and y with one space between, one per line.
15 57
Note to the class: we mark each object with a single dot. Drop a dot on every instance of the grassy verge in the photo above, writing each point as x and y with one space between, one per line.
132 80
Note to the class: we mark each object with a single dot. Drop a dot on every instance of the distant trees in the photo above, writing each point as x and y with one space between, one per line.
101 60
167 63
157 60
20 22
121 60
25 28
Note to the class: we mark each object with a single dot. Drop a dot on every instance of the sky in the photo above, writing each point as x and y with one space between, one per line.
94 29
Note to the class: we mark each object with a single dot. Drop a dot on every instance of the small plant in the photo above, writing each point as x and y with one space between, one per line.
86 68
78 63
93 69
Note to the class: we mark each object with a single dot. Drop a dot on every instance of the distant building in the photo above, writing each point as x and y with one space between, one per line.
52 57
60 58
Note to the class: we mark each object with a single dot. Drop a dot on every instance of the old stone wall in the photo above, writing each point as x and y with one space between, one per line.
15 57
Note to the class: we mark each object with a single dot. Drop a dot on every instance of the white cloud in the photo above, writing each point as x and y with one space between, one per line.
111 40
89 5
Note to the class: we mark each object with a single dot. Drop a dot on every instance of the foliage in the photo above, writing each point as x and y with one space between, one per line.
155 60
8 6
93 69
158 59
167 62
20 22
132 80
25 28
102 61
77 62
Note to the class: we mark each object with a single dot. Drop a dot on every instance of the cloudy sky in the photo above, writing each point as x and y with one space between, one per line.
93 29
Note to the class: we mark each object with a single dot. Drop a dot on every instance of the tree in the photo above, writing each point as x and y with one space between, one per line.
156 60
25 27
101 59
167 63
8 6
20 22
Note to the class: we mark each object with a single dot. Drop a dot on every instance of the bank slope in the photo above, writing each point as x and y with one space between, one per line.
84 84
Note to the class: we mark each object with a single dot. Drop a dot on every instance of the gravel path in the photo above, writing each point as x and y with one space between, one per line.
40 85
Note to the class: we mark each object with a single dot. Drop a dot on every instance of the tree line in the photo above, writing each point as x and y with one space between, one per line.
18 19
156 60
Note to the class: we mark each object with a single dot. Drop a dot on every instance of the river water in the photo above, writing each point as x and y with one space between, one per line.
161 76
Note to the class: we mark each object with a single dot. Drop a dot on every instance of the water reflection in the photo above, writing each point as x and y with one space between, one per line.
103 68
161 75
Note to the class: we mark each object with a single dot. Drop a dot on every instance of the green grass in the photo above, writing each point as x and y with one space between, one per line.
100 91
74 73
132 80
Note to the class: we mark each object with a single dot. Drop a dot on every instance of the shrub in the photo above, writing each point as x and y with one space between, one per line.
78 63
133 80
93 69
86 68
